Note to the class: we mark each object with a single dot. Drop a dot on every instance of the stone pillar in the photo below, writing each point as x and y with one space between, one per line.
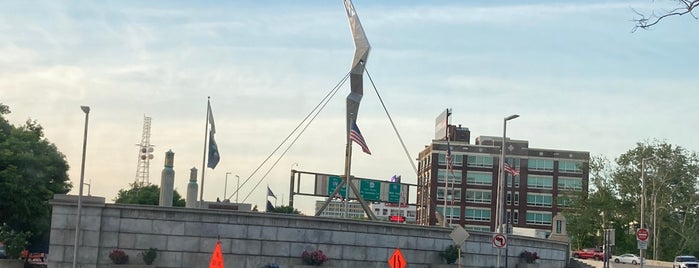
558 228
167 180
192 188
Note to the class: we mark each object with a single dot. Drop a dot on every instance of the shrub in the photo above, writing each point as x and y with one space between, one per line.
316 257
528 257
450 254
149 255
14 241
118 256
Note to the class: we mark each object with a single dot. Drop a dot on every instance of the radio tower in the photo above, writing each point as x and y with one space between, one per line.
145 153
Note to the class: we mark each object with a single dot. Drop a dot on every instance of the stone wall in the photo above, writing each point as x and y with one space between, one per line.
186 237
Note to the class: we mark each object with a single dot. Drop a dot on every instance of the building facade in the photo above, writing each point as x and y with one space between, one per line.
547 180
336 209
384 211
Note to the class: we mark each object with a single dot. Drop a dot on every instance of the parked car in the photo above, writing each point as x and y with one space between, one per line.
685 262
589 253
628 258
3 254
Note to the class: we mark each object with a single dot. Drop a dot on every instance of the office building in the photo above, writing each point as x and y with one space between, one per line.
547 179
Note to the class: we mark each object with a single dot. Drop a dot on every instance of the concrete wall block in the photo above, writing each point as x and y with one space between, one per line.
378 254
56 253
208 245
111 212
126 240
110 224
290 234
343 238
136 226
406 242
232 230
170 259
60 237
364 239
276 222
269 233
417 256
60 221
86 255
318 236
274 248
191 259
145 241
353 253
297 249
246 247
215 218
183 243
358 228
91 223
109 239
424 243
90 238
251 220
386 241
168 227
90 211
201 229
254 232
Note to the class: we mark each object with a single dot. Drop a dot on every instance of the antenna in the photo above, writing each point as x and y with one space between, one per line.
145 153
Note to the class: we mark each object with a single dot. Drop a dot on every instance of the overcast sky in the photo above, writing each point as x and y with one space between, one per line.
573 70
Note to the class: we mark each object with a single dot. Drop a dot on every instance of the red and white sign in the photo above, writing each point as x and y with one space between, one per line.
642 234
499 240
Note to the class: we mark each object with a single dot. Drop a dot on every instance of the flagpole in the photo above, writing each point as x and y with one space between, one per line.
348 164
203 161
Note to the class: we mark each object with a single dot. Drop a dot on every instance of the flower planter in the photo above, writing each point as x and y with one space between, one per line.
11 263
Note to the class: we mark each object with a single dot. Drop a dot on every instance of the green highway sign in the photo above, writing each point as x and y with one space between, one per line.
333 182
394 192
370 190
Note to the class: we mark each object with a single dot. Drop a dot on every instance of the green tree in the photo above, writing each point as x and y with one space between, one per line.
671 191
145 194
285 209
32 170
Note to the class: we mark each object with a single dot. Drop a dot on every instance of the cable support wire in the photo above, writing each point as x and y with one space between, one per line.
313 114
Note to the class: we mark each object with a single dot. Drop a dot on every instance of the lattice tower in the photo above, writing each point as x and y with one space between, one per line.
145 153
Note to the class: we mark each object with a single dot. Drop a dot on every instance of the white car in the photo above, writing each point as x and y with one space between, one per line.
685 262
628 258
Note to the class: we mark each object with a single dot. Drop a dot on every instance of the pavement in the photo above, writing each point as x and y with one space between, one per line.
648 264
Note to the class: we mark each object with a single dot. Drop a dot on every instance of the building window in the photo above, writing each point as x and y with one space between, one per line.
541 164
453 212
539 200
483 197
478 214
559 227
541 182
480 161
567 166
509 198
479 178
564 201
566 183
453 194
516 217
537 217
456 159
453 178
515 162
509 180
477 228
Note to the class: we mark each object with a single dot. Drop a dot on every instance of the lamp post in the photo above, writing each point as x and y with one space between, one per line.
225 196
643 198
501 182
86 110
237 188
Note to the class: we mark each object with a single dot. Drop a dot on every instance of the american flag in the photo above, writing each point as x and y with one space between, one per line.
356 136
450 164
510 169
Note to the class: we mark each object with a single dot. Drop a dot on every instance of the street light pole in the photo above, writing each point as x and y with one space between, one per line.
643 198
86 110
501 182
225 196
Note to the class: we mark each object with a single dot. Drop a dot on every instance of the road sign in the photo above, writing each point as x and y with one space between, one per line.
396 260
333 182
370 189
499 241
394 192
642 244
642 234
459 235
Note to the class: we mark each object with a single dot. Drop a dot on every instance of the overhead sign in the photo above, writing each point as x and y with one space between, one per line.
394 195
499 240
642 234
333 182
369 189
396 260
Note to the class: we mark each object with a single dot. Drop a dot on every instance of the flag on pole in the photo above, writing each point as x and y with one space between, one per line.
510 169
214 157
450 164
270 193
217 257
356 136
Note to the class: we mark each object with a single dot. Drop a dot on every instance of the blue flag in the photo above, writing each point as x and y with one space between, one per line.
214 157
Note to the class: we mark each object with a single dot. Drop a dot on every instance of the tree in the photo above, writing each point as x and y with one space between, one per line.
145 194
284 209
670 181
32 170
682 7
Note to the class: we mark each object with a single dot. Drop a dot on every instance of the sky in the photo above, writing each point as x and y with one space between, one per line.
574 70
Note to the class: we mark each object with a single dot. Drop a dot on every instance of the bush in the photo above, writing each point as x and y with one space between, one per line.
14 241
149 255
528 257
450 254
316 257
118 256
